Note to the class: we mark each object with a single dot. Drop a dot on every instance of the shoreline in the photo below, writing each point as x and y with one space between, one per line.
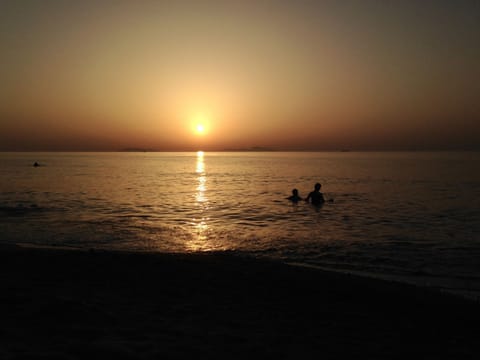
73 304
470 295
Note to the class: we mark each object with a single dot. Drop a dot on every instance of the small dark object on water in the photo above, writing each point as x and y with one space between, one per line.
36 164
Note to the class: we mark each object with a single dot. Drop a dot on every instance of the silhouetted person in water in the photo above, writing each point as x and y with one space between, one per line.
294 197
316 197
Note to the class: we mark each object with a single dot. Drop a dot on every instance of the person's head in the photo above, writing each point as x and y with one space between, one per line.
295 192
318 186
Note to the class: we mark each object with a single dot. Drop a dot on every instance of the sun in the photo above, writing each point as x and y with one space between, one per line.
200 124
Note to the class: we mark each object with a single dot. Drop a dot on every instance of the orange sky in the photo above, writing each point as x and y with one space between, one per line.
288 75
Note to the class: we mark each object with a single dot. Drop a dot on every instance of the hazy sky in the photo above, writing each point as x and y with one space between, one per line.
323 75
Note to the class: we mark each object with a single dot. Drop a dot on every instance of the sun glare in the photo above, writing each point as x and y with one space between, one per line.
200 124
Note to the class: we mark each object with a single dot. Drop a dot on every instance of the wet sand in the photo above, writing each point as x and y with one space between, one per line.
59 304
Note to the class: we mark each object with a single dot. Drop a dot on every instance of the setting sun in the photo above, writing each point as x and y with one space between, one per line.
200 124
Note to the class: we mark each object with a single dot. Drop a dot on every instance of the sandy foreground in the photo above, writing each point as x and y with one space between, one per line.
59 304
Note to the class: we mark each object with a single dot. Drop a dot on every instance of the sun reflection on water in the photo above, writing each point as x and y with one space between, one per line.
199 240
200 163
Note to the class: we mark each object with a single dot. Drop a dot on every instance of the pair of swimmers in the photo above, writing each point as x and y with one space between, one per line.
315 196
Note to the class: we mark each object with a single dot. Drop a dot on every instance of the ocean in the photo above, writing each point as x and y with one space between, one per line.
407 216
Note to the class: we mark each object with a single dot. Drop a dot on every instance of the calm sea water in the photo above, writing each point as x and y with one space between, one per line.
408 216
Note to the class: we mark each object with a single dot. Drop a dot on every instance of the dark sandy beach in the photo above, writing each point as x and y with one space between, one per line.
59 304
